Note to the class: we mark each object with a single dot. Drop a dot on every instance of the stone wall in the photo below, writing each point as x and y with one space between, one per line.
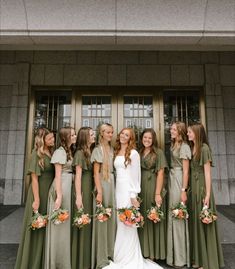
22 69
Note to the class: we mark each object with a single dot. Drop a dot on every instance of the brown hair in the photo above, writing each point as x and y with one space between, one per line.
82 143
131 145
39 144
153 147
200 139
182 132
65 139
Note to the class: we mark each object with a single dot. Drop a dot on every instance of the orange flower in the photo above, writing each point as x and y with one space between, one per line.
181 214
128 213
122 217
63 216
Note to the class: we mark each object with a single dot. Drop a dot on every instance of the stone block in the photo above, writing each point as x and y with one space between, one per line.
7 74
228 97
180 75
221 143
55 57
210 101
116 75
10 166
24 56
37 76
148 57
85 75
209 89
22 119
117 57
86 57
5 118
13 192
219 101
5 96
3 141
227 75
220 119
230 142
19 167
13 114
212 75
3 162
22 72
218 89
211 119
53 74
221 192
213 141
148 75
20 142
219 171
231 166
232 191
7 57
2 191
24 88
227 57
178 57
209 57
23 101
196 74
11 145
229 119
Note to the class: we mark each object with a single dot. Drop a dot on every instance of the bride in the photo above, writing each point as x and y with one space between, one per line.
127 251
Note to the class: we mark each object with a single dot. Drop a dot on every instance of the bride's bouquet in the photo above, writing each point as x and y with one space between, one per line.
102 213
180 211
207 216
155 214
131 216
81 219
38 221
59 216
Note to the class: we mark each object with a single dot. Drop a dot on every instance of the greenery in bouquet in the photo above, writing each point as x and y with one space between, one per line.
81 219
38 221
102 213
59 216
180 211
207 216
155 214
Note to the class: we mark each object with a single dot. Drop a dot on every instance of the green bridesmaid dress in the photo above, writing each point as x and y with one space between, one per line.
31 249
205 246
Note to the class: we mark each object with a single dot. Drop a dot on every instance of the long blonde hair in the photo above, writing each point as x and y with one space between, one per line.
182 133
39 145
106 153
131 145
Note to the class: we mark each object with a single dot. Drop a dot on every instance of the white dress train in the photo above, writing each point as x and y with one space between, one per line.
127 251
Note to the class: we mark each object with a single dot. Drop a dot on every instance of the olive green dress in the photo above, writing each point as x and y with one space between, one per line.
58 237
153 235
103 234
177 230
82 238
206 249
31 248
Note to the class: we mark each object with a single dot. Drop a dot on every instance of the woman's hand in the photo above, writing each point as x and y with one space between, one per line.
79 203
183 197
207 200
99 199
135 202
158 200
35 205
58 202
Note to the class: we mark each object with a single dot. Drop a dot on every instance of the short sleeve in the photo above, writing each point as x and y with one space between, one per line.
79 159
33 164
161 162
206 155
59 156
185 152
97 155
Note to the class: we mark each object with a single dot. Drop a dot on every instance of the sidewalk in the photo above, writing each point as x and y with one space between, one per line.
11 221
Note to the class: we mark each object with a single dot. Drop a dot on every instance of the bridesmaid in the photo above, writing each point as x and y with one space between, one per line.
103 233
58 241
177 230
31 248
153 163
82 239
206 250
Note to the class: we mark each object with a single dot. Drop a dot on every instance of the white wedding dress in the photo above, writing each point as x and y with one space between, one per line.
127 251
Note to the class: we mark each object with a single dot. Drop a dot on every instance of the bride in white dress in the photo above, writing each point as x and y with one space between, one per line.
127 251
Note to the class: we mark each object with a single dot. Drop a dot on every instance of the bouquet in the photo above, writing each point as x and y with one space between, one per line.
102 213
207 216
59 216
180 211
131 216
81 219
38 221
155 214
